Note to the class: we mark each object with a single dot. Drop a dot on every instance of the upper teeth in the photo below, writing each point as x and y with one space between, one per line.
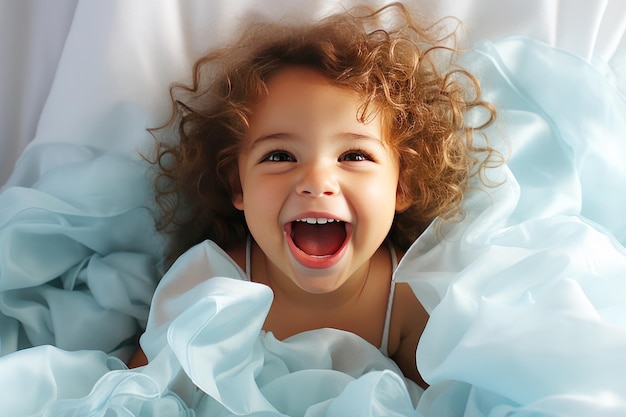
313 220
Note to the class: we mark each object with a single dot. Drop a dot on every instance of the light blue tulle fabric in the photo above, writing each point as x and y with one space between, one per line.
527 294
78 257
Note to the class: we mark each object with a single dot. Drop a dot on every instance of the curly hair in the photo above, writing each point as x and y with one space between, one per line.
423 105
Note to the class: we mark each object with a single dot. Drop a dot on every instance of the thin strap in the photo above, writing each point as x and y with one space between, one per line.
248 257
385 341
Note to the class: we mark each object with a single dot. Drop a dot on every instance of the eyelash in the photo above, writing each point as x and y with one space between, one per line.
360 153
268 157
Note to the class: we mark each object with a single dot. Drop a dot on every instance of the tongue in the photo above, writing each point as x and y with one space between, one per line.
318 239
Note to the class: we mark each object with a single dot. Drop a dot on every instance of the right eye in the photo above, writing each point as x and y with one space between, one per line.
278 156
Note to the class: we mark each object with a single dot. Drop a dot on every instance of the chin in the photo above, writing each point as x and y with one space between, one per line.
318 285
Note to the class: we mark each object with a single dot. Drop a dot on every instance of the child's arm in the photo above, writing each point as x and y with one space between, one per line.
138 359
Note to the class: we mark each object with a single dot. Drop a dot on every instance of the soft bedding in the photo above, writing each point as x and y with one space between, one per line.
526 295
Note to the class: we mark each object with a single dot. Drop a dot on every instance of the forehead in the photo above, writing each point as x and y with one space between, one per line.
301 94
297 75
291 84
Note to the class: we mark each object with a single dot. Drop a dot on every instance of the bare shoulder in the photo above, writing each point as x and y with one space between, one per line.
408 320
408 316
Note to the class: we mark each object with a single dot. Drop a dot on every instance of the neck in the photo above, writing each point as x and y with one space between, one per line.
265 272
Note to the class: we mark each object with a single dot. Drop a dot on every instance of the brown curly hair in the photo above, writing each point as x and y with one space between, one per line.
394 69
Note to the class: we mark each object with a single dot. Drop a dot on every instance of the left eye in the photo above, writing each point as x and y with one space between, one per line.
278 156
355 156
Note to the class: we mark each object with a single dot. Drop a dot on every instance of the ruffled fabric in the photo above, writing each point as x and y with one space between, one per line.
527 294
215 361
213 327
79 257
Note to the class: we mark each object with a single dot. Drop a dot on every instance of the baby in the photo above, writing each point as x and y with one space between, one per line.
314 156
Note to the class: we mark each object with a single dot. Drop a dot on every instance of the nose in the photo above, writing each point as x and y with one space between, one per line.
317 180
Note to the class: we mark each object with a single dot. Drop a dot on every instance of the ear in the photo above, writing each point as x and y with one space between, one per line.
403 199
236 192
237 199
403 202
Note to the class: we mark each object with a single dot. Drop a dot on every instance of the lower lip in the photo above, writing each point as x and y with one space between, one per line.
316 262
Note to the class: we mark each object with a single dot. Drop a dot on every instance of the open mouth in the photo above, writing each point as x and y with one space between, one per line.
318 237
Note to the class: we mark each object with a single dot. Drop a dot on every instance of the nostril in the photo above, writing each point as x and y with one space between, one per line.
317 183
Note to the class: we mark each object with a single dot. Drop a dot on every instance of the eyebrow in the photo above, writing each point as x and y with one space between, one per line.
285 136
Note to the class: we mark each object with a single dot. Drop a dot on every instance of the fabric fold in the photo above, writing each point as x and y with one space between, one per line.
79 258
527 293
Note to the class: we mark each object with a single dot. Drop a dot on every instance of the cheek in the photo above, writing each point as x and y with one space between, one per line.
261 196
378 196
262 211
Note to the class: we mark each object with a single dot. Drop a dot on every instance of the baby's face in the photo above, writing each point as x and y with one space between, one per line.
318 186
